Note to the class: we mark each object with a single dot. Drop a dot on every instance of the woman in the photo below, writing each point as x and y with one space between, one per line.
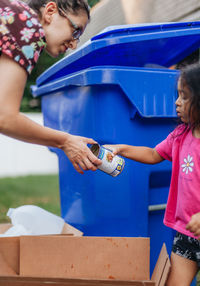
25 30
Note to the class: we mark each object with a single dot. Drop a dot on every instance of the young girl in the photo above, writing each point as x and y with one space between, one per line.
25 30
182 148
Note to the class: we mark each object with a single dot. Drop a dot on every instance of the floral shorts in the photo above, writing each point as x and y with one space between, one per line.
187 247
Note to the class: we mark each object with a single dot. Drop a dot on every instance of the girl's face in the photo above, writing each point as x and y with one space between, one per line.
59 29
183 102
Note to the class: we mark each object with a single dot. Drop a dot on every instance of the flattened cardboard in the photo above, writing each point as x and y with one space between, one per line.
4 227
9 253
28 281
10 248
9 267
69 229
5 269
112 258
162 268
165 273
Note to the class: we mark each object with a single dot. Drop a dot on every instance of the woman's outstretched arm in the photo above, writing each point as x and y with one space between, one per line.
14 124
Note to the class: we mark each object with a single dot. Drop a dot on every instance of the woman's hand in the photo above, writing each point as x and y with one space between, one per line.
194 224
79 154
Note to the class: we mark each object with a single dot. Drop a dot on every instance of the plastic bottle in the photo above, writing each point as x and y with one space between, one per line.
36 220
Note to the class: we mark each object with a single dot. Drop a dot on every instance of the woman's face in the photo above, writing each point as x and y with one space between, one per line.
59 29
183 102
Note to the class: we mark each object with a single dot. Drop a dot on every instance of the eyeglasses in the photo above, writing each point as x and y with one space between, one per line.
77 30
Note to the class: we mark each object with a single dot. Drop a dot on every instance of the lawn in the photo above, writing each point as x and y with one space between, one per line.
42 191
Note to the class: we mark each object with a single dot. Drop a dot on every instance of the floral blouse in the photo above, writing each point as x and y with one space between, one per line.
21 34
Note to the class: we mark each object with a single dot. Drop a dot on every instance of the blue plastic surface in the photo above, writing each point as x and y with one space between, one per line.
130 45
147 89
114 105
108 91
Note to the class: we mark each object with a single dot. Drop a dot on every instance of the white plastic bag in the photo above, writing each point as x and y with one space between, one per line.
35 220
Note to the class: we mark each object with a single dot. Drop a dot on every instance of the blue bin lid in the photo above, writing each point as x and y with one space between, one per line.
151 92
162 44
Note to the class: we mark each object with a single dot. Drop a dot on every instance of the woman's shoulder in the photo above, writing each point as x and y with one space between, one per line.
21 34
18 13
14 6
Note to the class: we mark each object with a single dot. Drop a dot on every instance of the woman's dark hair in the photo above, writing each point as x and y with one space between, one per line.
71 6
190 77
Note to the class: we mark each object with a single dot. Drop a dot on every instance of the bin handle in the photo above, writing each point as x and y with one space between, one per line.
158 207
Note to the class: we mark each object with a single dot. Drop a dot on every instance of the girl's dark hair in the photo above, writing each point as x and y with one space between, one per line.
190 77
71 6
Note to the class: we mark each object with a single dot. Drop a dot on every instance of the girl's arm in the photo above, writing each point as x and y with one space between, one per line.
14 124
137 153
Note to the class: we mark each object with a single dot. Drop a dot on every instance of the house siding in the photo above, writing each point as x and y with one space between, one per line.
118 12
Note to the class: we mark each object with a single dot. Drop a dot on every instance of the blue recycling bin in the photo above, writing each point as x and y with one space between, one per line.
117 89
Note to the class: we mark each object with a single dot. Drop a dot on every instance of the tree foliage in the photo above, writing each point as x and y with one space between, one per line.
29 104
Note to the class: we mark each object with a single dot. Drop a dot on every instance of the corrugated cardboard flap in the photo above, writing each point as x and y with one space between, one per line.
9 263
9 255
162 268
4 227
119 258
29 281
5 269
69 229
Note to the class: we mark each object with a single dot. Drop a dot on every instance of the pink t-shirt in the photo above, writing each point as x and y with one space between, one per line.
183 149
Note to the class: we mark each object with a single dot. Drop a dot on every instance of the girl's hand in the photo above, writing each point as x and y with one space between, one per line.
79 154
194 224
114 148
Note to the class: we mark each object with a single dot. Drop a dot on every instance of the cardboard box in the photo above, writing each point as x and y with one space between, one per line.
116 258
28 281
10 249
79 261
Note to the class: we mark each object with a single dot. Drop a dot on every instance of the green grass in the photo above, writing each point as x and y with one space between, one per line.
198 279
42 191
